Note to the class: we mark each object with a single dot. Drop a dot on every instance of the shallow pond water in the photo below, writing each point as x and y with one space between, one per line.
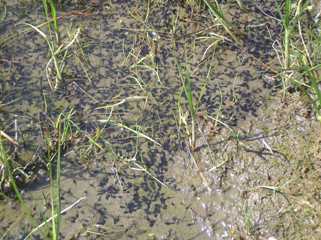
127 56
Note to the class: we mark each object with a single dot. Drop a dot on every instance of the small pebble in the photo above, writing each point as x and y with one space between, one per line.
272 238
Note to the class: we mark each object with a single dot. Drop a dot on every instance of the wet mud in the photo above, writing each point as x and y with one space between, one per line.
256 176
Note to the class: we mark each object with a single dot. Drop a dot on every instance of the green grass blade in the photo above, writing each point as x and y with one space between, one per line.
6 161
217 12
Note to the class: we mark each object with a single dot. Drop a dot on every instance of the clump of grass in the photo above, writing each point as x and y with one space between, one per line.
58 50
288 25
299 56
308 61
188 108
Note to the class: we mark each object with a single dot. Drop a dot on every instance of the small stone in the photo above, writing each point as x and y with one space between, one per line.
272 238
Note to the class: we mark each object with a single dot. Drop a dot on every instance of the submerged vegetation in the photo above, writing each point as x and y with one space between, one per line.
197 119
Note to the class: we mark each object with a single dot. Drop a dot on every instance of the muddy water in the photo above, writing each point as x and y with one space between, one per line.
130 50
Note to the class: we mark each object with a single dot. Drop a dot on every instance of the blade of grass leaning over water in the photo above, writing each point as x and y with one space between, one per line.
138 133
51 218
217 12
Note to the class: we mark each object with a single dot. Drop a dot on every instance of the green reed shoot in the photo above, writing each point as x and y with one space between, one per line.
56 145
288 26
286 22
51 14
188 92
